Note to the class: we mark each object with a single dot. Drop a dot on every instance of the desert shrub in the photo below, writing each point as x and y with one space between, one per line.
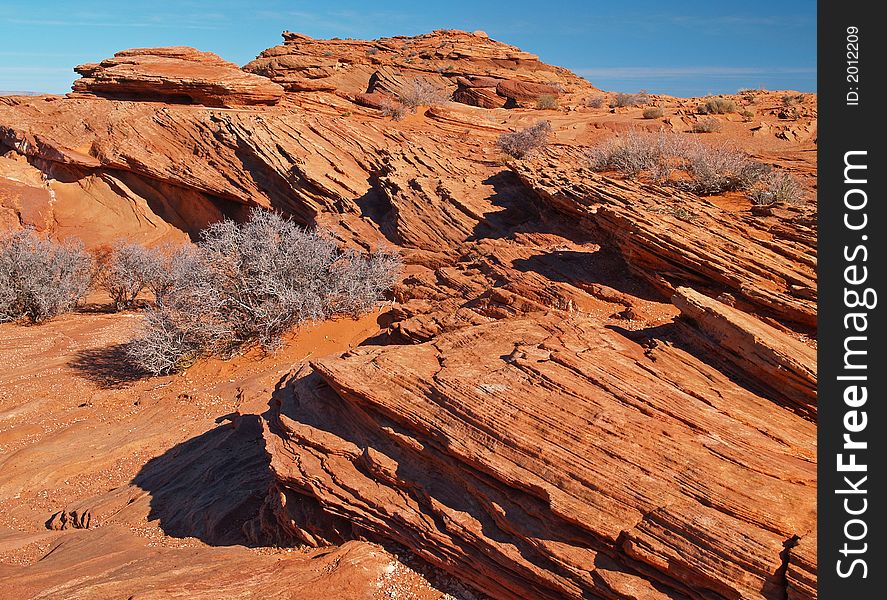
595 102
520 143
622 100
128 269
546 102
251 283
747 114
717 106
654 112
705 169
394 109
707 125
776 187
40 278
792 99
421 92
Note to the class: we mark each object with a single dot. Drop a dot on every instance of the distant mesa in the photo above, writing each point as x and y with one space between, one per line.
176 75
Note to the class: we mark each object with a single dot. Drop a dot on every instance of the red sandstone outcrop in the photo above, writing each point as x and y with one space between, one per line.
177 74
549 458
480 71
532 413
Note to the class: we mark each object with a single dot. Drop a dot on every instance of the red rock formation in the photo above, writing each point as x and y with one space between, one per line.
177 74
448 58
532 413
548 458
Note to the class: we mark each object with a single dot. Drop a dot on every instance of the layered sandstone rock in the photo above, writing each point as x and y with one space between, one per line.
177 74
547 458
532 413
480 71
666 236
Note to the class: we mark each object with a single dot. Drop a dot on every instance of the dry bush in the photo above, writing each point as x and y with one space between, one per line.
546 102
595 102
394 109
250 284
717 106
707 125
747 114
622 100
127 270
705 169
520 143
39 278
421 92
776 187
654 112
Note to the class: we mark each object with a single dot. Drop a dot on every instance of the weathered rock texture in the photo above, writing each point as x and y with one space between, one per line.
585 386
547 458
480 71
177 74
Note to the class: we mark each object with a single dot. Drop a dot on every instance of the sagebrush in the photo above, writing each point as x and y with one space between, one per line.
521 143
250 283
421 92
127 270
41 278
679 161
777 187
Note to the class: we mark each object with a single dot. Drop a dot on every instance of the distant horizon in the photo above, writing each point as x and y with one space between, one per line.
690 50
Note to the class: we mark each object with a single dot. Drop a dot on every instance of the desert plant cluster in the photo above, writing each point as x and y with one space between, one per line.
519 144
622 100
40 279
241 285
683 162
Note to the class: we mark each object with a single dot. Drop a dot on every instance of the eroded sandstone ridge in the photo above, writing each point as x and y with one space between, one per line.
478 70
177 74
584 386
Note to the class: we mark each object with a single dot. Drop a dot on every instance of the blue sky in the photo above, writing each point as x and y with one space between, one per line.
682 48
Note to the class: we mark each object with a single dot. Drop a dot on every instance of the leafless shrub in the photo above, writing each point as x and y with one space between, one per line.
421 92
654 112
717 106
251 283
39 278
394 109
595 102
747 114
129 269
705 169
707 125
622 100
777 187
520 143
546 102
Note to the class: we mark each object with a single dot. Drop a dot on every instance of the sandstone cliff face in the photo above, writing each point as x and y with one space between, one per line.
177 74
586 386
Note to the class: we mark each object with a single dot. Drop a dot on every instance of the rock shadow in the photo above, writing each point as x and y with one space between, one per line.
209 486
605 267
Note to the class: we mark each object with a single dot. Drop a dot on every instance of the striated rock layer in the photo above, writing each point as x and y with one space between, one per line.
177 74
480 71
584 386
547 458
